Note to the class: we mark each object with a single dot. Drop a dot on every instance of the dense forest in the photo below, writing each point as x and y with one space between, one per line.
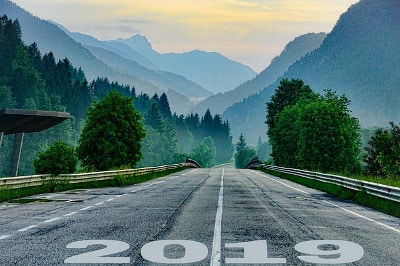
30 80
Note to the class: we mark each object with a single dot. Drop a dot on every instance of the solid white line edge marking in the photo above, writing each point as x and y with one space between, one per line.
364 217
344 209
282 183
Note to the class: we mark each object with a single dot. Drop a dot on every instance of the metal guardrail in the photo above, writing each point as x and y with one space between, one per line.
39 180
382 191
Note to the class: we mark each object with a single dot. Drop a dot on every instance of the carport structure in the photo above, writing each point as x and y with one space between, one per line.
19 122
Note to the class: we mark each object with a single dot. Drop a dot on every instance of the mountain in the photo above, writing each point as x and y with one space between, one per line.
360 58
162 79
51 37
211 70
292 52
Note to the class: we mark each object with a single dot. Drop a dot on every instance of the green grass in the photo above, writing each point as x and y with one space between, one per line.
359 197
388 181
54 185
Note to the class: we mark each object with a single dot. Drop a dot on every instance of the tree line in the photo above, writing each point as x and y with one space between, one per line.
316 132
30 80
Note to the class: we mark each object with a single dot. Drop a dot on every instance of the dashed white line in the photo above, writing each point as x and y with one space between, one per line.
364 217
52 220
70 214
27 228
2 237
216 247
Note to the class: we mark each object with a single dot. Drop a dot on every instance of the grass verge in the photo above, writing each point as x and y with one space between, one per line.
359 197
55 185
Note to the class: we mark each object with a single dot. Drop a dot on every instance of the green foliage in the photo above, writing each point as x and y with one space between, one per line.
57 159
244 154
314 132
112 134
382 156
287 94
7 98
264 150
205 152
31 80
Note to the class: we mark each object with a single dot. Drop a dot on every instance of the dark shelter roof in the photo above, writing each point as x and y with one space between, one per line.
14 121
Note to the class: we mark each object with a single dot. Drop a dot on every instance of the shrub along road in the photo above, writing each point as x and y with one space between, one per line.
215 216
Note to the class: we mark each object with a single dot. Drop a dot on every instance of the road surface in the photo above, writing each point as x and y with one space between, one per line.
218 216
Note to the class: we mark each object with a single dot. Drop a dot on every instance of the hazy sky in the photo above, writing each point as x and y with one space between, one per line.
249 31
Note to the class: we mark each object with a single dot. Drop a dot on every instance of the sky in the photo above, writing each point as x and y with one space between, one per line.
252 32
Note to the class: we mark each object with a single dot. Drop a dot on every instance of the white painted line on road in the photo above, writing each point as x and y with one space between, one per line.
137 190
86 208
282 183
52 220
216 247
110 199
27 228
189 172
100 203
4 237
364 217
70 214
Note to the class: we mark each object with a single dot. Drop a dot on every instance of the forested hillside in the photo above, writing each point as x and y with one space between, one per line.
32 80
359 58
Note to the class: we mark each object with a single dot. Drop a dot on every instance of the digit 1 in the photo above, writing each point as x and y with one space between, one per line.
254 252
348 251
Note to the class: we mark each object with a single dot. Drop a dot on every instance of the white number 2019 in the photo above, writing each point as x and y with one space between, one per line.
316 251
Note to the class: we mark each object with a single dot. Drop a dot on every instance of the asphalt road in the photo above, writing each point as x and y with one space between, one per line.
219 216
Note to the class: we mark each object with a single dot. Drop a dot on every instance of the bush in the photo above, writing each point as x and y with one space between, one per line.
57 159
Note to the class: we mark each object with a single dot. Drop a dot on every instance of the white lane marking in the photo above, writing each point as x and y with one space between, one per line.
4 237
216 247
27 228
70 214
137 190
282 183
110 199
364 217
100 203
52 220
188 172
86 208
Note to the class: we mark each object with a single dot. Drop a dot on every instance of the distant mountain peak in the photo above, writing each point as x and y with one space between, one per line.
139 42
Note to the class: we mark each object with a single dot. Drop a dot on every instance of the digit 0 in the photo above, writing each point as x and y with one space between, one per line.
194 251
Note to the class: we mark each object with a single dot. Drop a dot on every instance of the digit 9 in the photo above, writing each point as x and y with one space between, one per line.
344 252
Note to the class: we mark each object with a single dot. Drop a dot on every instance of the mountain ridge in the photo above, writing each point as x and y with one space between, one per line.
211 70
293 51
360 58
